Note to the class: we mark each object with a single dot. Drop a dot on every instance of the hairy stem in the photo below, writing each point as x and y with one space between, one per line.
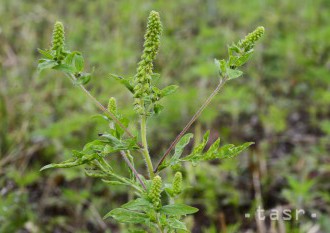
145 146
192 120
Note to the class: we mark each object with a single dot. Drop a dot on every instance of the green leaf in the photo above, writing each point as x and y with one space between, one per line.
69 58
178 209
244 58
46 53
173 223
114 182
137 204
94 146
197 152
221 65
232 74
78 61
46 64
233 49
127 216
228 151
180 147
84 78
95 173
168 90
158 108
213 150
174 160
123 81
120 144
72 162
155 77
65 68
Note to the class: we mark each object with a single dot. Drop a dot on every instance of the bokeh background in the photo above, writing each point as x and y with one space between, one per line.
282 103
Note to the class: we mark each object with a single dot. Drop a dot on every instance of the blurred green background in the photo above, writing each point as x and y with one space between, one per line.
282 103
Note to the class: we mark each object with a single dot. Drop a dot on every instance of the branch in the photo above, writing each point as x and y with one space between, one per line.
104 109
192 120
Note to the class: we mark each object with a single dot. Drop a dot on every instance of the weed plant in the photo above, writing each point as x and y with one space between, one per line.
155 206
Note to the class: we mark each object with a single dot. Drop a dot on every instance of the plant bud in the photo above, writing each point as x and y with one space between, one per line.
58 41
177 183
251 38
58 36
155 190
112 105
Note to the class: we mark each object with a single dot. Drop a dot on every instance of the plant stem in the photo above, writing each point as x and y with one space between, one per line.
114 118
98 104
145 146
101 163
192 120
123 154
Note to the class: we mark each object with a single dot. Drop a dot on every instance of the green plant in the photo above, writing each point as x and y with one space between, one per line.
154 207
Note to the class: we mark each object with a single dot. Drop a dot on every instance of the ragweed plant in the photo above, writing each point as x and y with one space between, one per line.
154 208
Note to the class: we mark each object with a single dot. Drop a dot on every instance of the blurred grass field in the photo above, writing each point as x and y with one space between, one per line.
282 104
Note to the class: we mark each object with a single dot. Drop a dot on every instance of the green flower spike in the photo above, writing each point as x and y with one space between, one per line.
155 190
248 42
112 105
58 41
145 66
177 183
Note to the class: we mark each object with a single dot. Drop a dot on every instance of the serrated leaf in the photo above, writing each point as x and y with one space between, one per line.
229 151
127 216
197 152
46 53
213 150
180 146
46 64
174 160
176 224
232 74
178 209
168 90
123 81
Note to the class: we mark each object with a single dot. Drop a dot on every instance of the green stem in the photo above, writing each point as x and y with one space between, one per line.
102 164
145 150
